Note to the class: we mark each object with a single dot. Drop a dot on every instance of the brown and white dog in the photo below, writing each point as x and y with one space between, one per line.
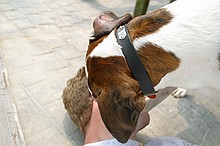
179 45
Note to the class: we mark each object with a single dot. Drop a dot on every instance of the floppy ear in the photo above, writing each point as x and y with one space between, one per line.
120 107
107 21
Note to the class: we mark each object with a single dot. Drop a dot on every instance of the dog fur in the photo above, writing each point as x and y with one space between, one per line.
178 45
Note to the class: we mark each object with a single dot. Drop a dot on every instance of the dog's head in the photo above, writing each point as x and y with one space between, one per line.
111 82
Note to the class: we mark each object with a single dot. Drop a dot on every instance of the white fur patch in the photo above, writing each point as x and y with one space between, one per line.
108 47
193 36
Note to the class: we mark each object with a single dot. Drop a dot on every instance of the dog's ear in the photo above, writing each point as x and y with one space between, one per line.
107 21
120 107
117 93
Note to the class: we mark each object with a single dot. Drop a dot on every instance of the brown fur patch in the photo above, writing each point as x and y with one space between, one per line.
105 69
118 94
157 62
149 23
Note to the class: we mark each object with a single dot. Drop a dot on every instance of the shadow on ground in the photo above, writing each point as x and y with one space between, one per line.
200 115
72 132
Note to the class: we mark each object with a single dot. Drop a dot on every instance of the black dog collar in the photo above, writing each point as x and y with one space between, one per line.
134 63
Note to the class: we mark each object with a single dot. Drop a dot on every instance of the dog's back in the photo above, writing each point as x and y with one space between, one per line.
193 35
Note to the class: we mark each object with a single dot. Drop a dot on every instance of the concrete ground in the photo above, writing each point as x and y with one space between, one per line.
43 44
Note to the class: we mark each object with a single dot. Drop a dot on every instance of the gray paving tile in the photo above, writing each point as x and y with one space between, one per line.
62 22
46 91
166 107
12 34
50 137
3 19
49 29
69 8
42 8
17 57
6 7
54 41
34 120
20 4
213 106
68 52
12 15
30 75
61 12
62 3
54 5
39 19
75 41
64 74
14 43
51 61
30 32
212 138
196 127
23 23
17 91
8 28
191 103
187 135
10 131
70 127
56 110
77 138
38 47
163 125
29 10
2 80
50 14
77 63
61 117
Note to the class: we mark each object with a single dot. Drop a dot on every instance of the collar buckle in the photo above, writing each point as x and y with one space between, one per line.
121 32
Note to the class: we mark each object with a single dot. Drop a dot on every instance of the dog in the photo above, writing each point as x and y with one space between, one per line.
78 100
178 45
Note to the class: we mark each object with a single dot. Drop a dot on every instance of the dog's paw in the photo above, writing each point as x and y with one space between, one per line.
179 92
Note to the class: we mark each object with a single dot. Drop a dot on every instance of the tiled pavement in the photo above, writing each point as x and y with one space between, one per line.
43 43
